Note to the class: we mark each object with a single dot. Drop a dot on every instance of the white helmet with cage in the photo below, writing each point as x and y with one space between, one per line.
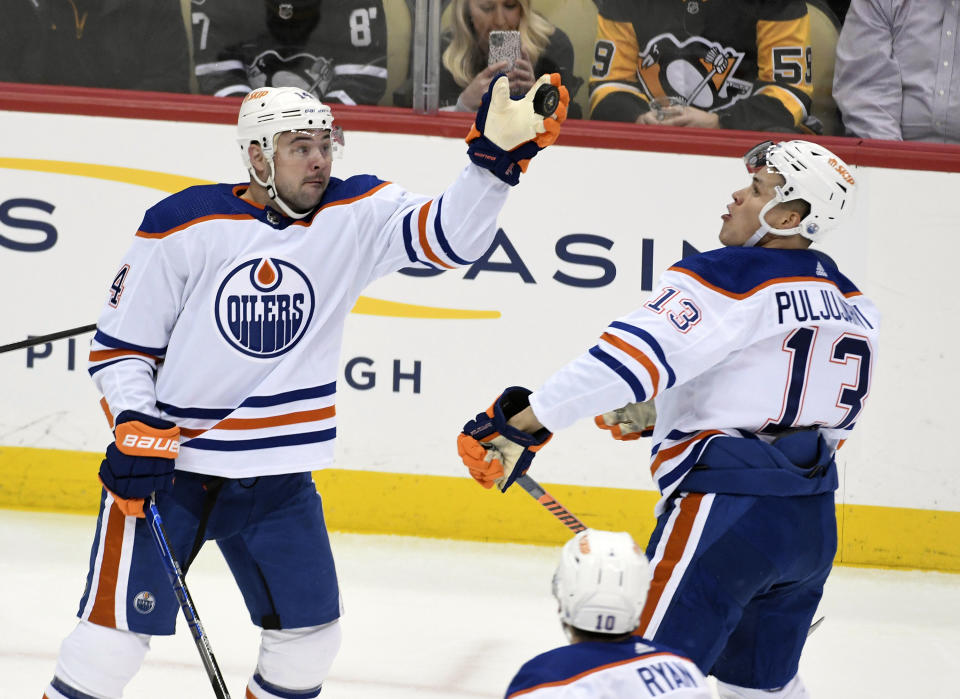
811 173
601 582
269 111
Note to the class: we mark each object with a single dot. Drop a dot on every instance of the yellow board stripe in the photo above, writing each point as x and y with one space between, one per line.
367 305
453 507
163 181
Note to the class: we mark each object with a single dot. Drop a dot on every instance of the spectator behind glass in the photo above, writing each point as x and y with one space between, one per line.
464 73
129 45
896 76
729 64
336 50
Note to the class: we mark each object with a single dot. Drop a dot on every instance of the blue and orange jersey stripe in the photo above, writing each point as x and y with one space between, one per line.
739 296
625 373
104 605
202 203
652 343
349 200
738 273
176 229
639 356
256 423
120 351
442 238
679 537
676 450
424 242
104 355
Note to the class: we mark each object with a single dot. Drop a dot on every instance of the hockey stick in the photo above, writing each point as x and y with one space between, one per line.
553 507
40 339
186 602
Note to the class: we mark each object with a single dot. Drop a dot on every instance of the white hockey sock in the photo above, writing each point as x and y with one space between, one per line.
97 662
259 688
294 662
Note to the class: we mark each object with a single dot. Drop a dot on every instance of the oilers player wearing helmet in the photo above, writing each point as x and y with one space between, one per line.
600 584
797 189
286 141
758 358
218 355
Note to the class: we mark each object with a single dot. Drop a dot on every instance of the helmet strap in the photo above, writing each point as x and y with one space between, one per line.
765 227
271 188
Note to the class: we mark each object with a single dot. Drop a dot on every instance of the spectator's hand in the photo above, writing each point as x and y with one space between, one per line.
474 92
521 77
649 118
689 116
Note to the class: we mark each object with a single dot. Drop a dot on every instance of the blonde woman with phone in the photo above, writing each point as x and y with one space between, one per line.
465 72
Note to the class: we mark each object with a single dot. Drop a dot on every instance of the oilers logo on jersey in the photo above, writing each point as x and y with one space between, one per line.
263 307
696 69
144 602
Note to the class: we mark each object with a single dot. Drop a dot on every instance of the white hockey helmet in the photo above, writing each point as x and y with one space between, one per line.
812 173
269 111
601 582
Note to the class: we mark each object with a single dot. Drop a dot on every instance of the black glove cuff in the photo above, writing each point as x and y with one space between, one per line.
512 401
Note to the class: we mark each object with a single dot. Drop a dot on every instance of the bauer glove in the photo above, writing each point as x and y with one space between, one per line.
632 421
495 452
141 459
508 132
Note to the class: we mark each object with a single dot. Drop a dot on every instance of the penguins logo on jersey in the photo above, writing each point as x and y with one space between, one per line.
263 307
306 71
699 70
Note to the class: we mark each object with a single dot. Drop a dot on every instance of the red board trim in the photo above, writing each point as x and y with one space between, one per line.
588 134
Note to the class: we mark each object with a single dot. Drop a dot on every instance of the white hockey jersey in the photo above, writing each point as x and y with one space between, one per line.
743 342
226 318
631 669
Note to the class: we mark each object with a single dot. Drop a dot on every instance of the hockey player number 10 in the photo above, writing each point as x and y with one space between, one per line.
606 623
799 345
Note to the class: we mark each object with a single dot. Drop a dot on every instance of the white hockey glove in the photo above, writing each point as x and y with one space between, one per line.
632 421
508 132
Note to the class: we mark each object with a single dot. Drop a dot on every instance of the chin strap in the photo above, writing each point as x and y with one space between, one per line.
765 227
272 192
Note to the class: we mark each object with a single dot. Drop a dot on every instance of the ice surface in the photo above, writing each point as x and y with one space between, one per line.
433 619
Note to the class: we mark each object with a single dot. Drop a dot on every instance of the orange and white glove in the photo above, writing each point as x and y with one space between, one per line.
632 421
495 452
508 132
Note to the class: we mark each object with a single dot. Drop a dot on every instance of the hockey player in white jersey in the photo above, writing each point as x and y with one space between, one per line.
759 358
600 584
217 353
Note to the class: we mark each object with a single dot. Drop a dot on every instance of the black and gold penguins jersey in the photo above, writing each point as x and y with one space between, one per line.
749 61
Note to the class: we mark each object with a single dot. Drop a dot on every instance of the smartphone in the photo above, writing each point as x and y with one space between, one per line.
504 46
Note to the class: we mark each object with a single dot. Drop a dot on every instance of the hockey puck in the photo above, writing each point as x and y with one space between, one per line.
546 100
